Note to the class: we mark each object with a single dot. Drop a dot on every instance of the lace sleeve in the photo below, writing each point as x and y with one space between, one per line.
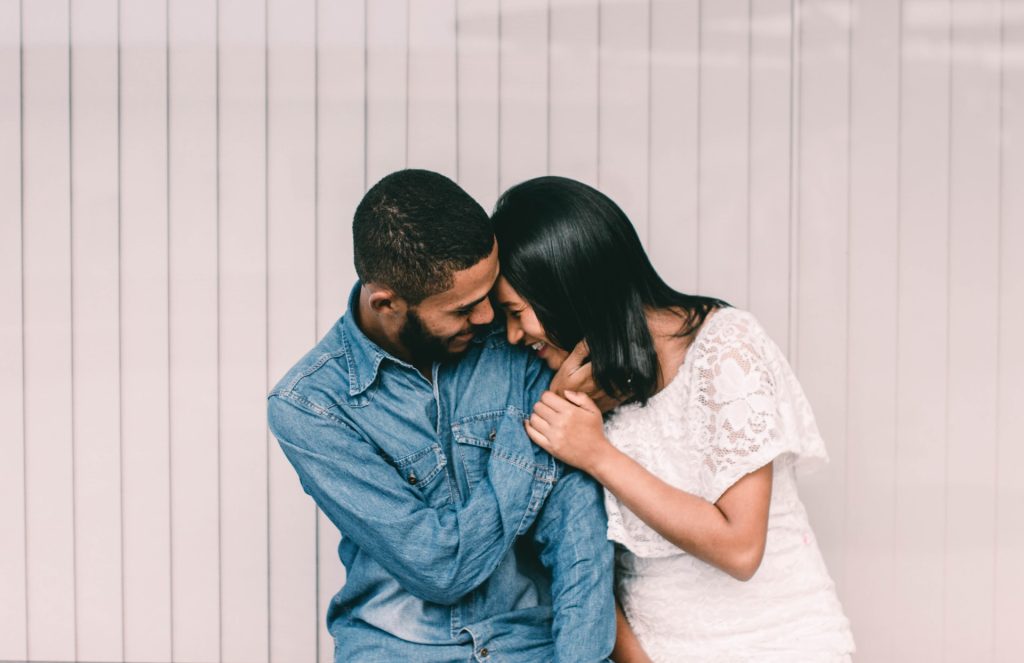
735 406
738 396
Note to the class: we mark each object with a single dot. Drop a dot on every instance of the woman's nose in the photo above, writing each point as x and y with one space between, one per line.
512 330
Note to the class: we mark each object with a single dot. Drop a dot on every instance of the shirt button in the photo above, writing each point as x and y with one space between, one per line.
484 652
412 479
493 434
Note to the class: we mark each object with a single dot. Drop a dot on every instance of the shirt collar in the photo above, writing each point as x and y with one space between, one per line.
363 355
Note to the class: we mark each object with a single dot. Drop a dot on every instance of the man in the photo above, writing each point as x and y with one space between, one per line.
461 540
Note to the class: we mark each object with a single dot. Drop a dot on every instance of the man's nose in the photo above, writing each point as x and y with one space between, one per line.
482 314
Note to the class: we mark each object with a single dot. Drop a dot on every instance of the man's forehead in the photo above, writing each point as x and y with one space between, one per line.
469 285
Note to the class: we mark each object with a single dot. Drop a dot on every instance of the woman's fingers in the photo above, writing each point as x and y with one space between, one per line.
578 357
576 372
539 424
538 438
554 401
545 411
583 401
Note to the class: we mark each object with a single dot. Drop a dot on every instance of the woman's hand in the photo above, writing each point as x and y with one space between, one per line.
577 374
729 534
570 429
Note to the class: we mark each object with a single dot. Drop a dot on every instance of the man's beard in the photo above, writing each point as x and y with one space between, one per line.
423 345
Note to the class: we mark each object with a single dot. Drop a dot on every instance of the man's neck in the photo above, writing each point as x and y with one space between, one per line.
370 324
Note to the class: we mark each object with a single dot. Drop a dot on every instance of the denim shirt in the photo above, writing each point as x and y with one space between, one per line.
461 540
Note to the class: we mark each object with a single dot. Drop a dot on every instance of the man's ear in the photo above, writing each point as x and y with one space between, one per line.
385 302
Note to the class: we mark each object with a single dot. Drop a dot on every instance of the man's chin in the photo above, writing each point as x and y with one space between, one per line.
457 346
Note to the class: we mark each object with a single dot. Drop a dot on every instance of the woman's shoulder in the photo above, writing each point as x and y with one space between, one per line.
729 329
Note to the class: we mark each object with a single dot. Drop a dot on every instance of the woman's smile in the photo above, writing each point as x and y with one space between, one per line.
523 327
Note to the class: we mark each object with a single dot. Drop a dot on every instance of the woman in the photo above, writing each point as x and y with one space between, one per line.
715 558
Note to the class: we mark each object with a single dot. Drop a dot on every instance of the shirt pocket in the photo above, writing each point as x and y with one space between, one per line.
425 470
474 440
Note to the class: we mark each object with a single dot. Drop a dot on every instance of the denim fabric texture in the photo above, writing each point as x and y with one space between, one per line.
461 540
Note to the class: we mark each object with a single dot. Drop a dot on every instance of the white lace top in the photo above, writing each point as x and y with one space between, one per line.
734 406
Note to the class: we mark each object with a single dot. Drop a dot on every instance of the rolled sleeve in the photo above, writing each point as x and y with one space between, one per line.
571 535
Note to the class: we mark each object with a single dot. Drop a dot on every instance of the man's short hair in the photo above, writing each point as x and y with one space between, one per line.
414 229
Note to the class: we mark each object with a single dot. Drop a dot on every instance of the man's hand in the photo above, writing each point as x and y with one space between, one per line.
577 374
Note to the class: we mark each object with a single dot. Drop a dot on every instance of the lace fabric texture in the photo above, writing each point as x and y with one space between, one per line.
734 406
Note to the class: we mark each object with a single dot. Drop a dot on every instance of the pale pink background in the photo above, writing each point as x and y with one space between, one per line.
176 183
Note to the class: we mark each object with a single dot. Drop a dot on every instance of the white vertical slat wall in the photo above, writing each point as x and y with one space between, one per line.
820 270
872 245
340 183
243 269
973 314
291 310
921 330
13 512
145 326
49 505
176 183
96 350
674 148
193 300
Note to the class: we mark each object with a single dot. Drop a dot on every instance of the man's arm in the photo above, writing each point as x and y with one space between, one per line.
438 555
571 534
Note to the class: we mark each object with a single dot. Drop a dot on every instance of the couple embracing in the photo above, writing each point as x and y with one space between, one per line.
536 450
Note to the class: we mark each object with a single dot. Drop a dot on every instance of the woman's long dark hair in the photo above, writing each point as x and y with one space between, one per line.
570 252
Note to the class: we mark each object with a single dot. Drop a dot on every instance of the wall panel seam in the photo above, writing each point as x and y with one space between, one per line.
750 133
500 72
316 280
120 319
220 501
849 273
408 57
650 121
795 104
21 206
266 306
699 142
71 336
597 106
170 341
458 96
997 410
898 285
951 32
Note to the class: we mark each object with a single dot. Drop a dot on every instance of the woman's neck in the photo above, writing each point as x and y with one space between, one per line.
664 325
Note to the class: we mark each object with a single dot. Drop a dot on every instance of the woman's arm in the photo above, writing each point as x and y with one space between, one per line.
729 534
627 647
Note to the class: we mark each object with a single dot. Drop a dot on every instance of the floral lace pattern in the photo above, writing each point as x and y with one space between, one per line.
734 406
